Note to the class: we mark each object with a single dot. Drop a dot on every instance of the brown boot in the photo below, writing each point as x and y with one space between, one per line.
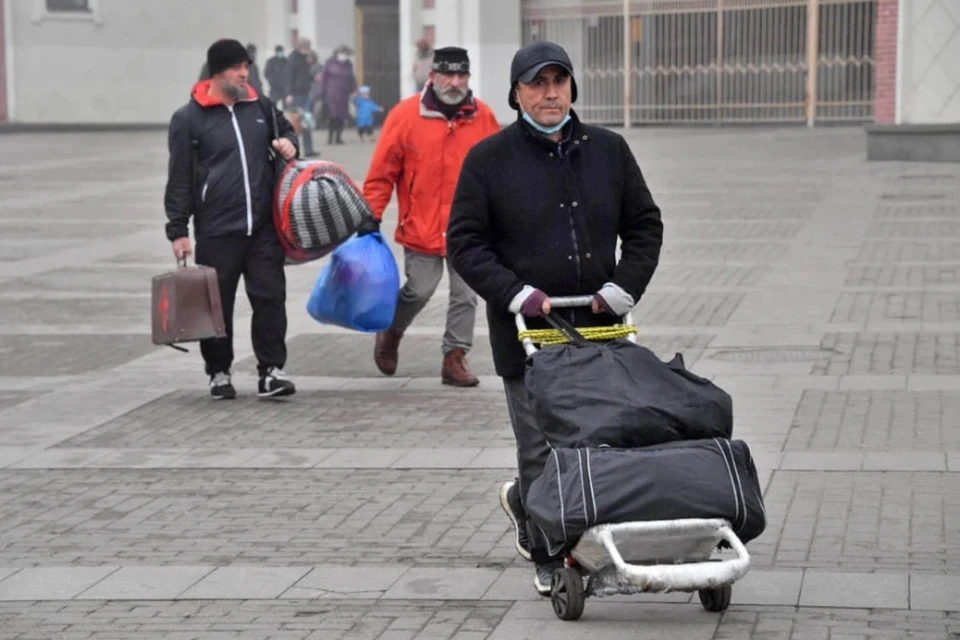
385 351
455 372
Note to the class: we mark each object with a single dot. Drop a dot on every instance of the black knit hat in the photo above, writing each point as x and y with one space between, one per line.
450 60
528 62
223 54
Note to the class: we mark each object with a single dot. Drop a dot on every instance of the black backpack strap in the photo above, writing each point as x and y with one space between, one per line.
270 114
194 126
566 329
193 123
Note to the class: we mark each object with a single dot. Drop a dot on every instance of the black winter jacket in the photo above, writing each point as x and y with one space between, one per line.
225 187
299 75
276 74
528 210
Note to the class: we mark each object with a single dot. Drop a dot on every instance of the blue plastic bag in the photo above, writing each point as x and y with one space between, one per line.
358 288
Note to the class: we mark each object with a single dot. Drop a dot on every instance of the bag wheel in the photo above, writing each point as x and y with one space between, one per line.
566 594
716 600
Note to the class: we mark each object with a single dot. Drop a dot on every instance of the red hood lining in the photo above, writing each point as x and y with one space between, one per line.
204 99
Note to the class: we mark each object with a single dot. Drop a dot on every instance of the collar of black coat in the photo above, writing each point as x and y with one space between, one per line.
573 134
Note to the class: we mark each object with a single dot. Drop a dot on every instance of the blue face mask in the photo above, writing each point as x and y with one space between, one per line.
543 129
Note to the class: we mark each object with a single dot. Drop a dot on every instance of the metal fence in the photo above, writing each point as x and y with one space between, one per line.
714 60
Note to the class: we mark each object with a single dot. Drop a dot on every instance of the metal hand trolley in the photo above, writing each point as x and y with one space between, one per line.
659 556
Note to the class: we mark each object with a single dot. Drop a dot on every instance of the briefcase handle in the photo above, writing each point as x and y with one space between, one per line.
213 290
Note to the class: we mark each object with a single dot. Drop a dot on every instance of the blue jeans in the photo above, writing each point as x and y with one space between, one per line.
303 102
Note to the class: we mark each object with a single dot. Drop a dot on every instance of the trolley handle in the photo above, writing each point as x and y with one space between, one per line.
565 302
571 301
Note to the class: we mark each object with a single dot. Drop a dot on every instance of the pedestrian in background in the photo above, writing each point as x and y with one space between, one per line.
423 64
276 74
299 82
221 175
254 79
419 152
366 109
337 84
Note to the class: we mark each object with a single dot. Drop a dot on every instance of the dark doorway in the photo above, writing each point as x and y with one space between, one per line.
378 48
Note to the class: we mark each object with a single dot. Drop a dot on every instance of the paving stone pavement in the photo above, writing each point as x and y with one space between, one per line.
820 290
329 419
890 353
357 516
863 522
876 421
252 620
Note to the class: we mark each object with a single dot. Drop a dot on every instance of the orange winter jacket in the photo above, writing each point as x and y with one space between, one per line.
421 152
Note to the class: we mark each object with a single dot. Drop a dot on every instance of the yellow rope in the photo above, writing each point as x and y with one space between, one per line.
552 336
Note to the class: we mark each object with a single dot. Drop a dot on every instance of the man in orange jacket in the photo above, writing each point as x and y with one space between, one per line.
420 151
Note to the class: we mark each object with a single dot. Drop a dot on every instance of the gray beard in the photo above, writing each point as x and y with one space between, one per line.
233 91
450 98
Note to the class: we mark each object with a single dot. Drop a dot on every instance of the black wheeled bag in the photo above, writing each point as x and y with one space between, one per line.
620 394
584 487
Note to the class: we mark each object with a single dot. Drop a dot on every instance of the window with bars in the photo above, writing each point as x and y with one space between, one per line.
77 6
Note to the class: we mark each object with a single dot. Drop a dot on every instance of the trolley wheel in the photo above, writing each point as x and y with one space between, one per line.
716 599
566 594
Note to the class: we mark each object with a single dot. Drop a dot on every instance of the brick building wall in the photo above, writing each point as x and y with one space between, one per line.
885 66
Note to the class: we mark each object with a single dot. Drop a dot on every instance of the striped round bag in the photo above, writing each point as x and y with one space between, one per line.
317 207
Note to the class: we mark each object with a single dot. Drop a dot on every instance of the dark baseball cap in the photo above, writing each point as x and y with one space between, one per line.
534 57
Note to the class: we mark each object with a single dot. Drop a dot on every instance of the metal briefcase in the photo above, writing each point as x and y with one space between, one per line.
186 306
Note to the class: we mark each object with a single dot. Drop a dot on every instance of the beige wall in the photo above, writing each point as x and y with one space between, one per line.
335 26
131 62
929 68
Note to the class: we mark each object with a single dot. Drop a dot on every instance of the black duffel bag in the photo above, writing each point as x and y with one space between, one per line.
620 394
581 488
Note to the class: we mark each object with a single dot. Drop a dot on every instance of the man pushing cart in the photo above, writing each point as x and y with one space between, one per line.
534 228
539 209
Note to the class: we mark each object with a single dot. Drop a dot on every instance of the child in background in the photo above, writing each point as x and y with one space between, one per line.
366 107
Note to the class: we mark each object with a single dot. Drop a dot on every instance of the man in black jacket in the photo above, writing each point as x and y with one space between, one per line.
299 83
221 173
254 79
276 74
538 210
